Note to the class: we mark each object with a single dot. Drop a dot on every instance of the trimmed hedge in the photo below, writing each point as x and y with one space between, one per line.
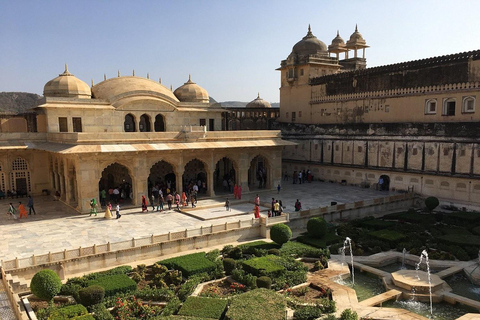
262 304
46 284
251 247
91 295
85 317
203 307
378 224
280 233
431 203
412 217
297 249
317 227
114 284
68 312
190 264
228 265
83 281
179 318
388 235
461 239
263 266
307 313
264 282
327 240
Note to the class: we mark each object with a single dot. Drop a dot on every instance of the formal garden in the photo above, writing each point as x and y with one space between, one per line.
256 280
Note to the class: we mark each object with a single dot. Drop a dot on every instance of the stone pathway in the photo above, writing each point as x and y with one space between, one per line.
6 312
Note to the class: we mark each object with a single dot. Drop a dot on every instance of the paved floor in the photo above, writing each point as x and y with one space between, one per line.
57 227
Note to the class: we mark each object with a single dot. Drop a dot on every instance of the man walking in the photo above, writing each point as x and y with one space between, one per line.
30 206
117 210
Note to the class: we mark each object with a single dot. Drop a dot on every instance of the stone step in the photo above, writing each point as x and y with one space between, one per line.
381 298
18 284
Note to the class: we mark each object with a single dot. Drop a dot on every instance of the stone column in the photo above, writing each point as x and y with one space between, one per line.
243 166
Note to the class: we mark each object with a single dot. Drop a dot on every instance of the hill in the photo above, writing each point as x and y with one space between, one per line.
17 102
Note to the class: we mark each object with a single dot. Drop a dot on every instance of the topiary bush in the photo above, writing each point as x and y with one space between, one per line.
91 295
349 314
46 284
431 203
264 282
280 233
100 312
317 227
228 265
307 313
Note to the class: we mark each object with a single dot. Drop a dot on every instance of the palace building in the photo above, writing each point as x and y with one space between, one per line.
131 132
413 124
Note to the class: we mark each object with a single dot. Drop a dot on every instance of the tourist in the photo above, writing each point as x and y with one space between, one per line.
300 177
256 212
278 188
56 196
30 206
235 191
273 206
116 194
160 202
192 199
103 197
177 201
257 200
152 202
22 211
298 205
227 205
144 204
239 191
117 211
93 207
380 184
11 211
276 207
169 201
108 211
269 213
184 199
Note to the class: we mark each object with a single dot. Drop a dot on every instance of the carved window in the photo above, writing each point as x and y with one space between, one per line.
62 124
431 106
468 104
462 153
77 124
449 107
294 116
203 122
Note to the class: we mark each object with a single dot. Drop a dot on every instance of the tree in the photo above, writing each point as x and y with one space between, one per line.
46 284
280 233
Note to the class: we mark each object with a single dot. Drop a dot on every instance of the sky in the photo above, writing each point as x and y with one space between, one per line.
230 48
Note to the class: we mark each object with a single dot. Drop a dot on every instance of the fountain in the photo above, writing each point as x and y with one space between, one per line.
349 242
404 251
425 254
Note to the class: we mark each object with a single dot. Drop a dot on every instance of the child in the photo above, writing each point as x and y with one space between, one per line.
117 211
269 214
227 205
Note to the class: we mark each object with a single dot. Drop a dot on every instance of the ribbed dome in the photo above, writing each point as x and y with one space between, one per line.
356 40
338 40
309 45
258 103
191 92
66 85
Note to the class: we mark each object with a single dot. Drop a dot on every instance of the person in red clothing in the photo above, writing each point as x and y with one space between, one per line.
21 209
256 212
144 204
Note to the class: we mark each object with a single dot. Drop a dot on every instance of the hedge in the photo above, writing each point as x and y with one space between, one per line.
267 265
68 312
250 248
411 217
327 240
177 317
469 217
85 317
203 307
388 235
114 284
46 284
461 239
378 224
83 281
317 227
91 295
190 264
476 230
262 304
280 233
297 249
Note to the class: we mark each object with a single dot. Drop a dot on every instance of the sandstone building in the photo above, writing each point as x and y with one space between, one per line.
129 131
414 124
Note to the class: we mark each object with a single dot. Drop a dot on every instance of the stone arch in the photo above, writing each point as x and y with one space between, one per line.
225 169
144 125
162 175
385 186
117 175
129 123
20 176
159 124
196 170
259 172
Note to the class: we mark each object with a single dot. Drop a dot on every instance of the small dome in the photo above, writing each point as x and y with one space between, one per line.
309 45
338 45
66 85
356 40
338 41
191 92
258 103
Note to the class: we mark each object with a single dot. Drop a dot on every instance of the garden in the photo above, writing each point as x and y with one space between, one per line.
256 280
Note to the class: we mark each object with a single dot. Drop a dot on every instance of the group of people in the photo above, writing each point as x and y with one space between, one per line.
12 211
301 176
117 194
275 211
12 194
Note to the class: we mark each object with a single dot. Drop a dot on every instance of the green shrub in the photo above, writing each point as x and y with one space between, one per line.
203 307
159 268
100 312
68 312
155 294
84 317
190 264
431 203
83 281
378 224
70 290
275 252
264 282
476 230
388 235
307 313
297 249
173 277
230 251
228 265
317 227
91 295
349 314
46 284
459 253
460 239
267 265
171 307
280 233
262 304
247 279
137 277
189 286
114 284
251 247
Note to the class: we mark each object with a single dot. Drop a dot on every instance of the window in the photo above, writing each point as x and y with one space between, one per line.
211 124
468 104
203 122
129 124
431 106
299 114
449 107
77 124
293 116
62 124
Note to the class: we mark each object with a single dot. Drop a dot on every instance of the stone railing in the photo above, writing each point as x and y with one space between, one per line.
319 98
14 298
55 257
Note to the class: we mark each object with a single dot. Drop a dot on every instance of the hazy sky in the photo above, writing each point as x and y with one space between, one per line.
231 48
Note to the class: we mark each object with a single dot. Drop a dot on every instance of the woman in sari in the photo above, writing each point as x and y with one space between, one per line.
144 204
108 211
